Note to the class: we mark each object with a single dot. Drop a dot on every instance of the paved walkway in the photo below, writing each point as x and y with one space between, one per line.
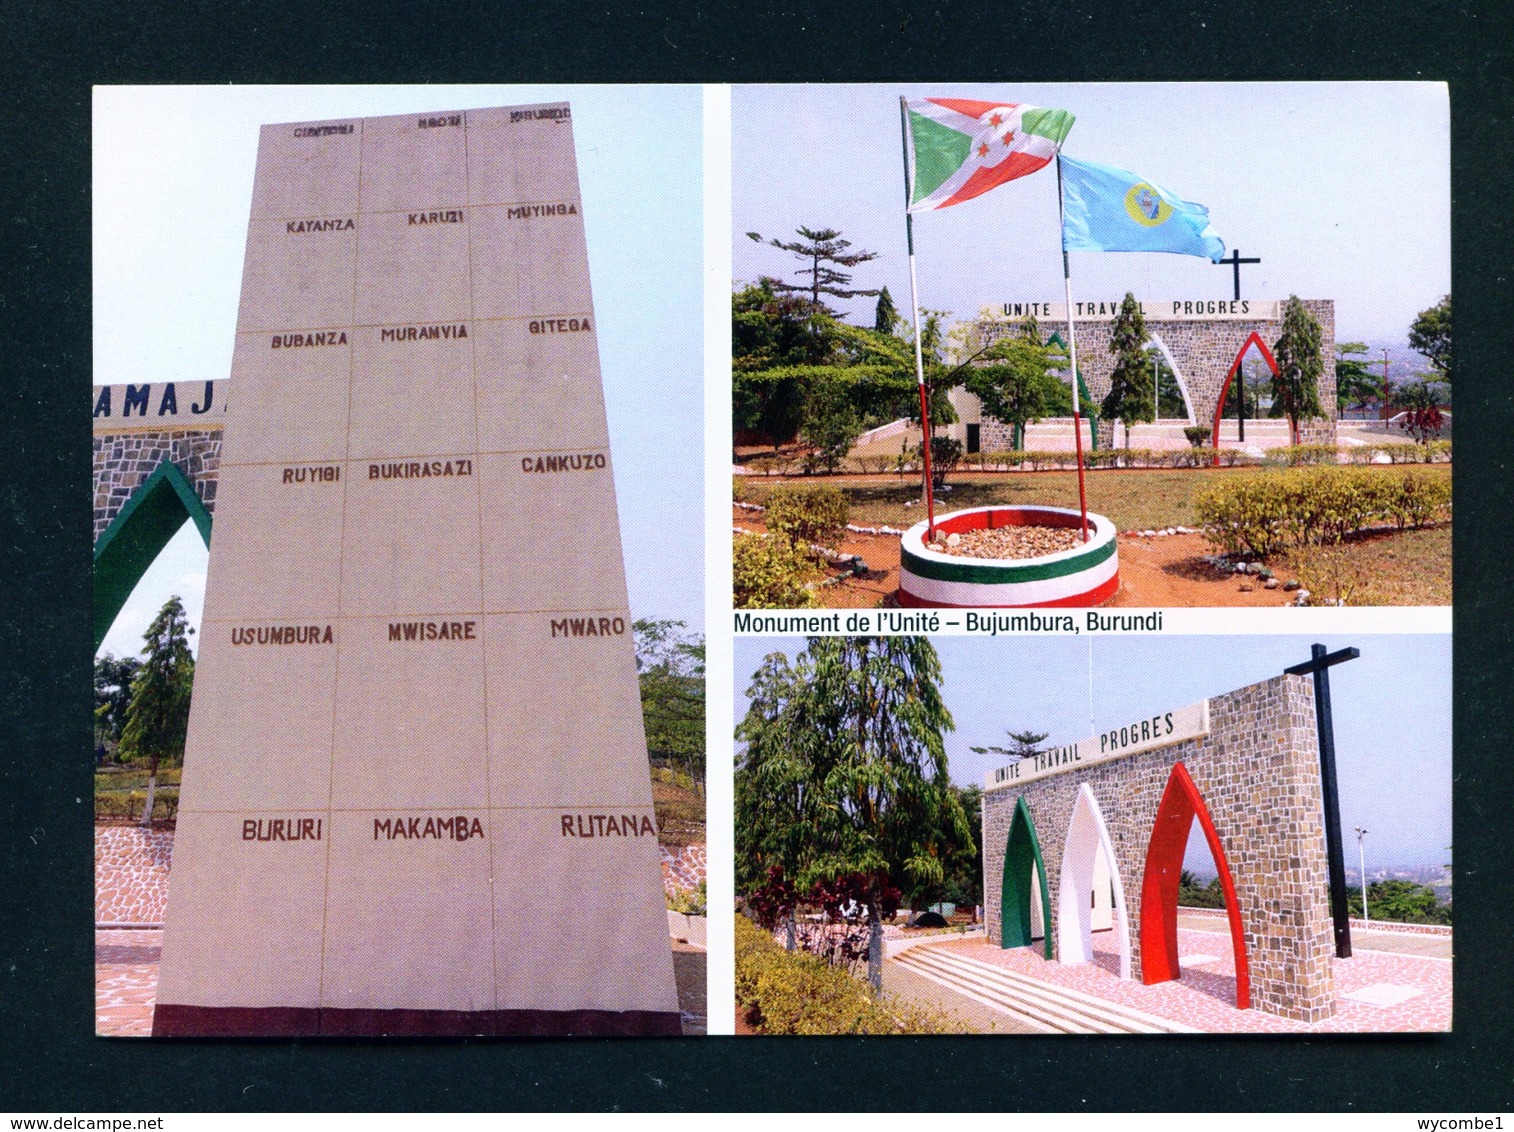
1377 990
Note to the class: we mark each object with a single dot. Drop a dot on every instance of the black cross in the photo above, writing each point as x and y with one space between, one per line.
1235 261
1319 667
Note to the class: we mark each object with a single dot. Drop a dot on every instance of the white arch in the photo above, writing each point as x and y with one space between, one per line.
1156 340
1087 837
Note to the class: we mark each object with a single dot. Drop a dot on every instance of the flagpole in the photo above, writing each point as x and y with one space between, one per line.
914 306
1072 352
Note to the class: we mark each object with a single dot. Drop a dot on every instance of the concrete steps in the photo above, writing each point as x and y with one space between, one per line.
1050 1009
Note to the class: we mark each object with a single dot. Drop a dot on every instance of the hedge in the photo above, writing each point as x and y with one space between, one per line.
1318 506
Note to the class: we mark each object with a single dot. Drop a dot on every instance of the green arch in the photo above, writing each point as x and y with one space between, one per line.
1084 400
1022 850
138 534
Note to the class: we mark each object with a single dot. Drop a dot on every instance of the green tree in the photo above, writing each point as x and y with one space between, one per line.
1355 383
885 315
1013 379
1400 902
826 253
846 772
1300 362
157 719
1129 397
1430 335
670 670
1025 744
113 679
782 348
831 422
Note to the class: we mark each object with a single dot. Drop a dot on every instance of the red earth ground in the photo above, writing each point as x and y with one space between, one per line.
1168 570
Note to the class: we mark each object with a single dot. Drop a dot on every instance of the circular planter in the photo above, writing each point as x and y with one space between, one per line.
1086 575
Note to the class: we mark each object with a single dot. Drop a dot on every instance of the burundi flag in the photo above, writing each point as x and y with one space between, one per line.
960 148
1113 210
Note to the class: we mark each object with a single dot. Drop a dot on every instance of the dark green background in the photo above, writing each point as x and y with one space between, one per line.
52 54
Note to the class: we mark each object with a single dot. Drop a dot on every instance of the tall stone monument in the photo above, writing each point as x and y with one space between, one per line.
415 794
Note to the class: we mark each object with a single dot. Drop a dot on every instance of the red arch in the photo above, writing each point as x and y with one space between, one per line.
1181 803
1219 406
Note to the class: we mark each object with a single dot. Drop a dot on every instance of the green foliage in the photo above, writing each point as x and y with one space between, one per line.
670 670
783 349
1420 405
1024 745
689 901
1315 506
1198 435
770 573
1014 381
113 680
825 252
1191 894
945 454
831 423
1430 335
1400 902
844 770
885 316
1129 398
783 992
807 513
157 719
1300 455
1355 383
1295 387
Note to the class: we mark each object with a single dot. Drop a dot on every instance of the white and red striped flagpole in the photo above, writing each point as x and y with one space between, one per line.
914 306
1072 353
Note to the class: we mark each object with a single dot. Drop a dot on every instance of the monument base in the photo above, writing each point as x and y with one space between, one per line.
1084 576
175 1020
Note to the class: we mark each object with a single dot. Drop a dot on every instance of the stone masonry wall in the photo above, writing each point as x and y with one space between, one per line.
1201 351
122 461
1258 773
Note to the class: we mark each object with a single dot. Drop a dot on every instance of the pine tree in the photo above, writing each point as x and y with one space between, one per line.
1295 386
157 719
826 252
1129 397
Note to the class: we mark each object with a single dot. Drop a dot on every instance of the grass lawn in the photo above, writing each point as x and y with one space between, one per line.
1402 568
1132 499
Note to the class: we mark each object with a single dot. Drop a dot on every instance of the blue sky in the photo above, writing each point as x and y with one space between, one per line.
173 172
1392 709
1342 189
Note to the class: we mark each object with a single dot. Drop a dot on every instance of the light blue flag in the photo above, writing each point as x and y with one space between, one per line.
1113 210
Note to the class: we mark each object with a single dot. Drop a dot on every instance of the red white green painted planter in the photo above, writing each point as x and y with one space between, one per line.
1086 575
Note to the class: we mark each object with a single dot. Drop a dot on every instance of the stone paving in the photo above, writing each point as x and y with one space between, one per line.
685 872
1204 998
131 874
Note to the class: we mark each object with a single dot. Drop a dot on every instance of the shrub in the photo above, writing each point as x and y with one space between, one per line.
1265 514
689 901
1198 435
808 513
787 992
945 453
770 573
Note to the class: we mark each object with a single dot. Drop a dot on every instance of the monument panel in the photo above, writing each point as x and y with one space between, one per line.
416 797
291 403
545 399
